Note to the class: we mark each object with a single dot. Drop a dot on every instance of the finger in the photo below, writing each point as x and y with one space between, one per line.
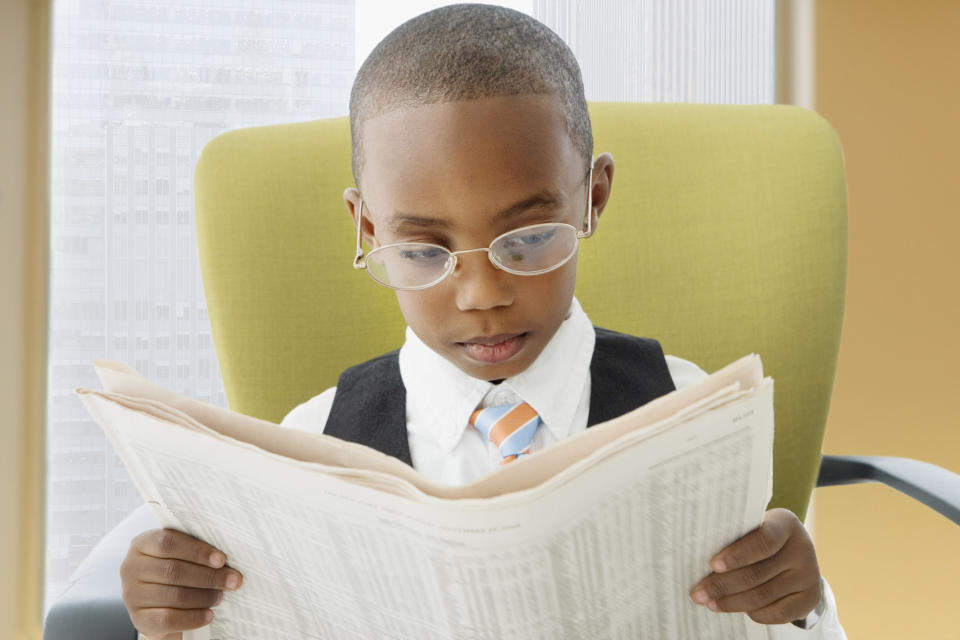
159 620
792 607
151 595
760 596
170 543
718 585
759 544
186 574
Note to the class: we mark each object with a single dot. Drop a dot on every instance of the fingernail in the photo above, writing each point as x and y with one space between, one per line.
217 559
700 596
232 581
219 598
208 616
713 605
719 565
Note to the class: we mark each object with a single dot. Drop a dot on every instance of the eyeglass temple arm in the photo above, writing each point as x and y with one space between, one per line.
589 232
358 260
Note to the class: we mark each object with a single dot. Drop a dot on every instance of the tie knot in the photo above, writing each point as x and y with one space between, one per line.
508 426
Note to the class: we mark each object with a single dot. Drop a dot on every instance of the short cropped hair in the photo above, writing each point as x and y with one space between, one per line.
465 52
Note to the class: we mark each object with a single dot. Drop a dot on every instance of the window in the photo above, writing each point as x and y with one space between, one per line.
143 310
127 132
163 245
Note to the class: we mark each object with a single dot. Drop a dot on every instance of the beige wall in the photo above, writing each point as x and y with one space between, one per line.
23 68
887 79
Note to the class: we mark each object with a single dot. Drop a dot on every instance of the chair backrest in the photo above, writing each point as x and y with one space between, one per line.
725 235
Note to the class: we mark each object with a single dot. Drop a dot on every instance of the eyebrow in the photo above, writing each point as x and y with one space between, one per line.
545 198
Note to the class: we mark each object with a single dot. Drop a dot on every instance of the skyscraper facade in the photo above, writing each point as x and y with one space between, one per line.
669 50
138 90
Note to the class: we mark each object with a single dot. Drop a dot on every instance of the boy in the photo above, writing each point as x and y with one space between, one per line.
472 154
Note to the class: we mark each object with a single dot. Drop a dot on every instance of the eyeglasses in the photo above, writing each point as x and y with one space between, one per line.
527 251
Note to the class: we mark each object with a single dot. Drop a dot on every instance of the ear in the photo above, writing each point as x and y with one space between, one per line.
602 185
352 199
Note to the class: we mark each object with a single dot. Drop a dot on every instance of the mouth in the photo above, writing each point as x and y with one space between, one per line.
493 349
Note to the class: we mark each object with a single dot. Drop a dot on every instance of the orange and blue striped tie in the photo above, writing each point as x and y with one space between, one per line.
509 426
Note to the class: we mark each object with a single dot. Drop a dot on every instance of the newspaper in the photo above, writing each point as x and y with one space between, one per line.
601 535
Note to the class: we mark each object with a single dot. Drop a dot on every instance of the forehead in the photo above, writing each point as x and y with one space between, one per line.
474 155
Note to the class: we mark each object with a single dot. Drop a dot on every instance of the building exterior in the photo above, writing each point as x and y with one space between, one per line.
138 90
669 50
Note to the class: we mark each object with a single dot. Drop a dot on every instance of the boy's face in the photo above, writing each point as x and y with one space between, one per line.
459 174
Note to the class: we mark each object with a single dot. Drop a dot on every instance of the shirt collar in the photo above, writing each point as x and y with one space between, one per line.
441 397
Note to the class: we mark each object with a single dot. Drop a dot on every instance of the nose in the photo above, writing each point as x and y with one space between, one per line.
480 285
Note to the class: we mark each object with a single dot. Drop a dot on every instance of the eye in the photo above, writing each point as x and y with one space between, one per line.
529 239
538 238
422 253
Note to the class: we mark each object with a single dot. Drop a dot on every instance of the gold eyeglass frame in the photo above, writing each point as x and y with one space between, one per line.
360 259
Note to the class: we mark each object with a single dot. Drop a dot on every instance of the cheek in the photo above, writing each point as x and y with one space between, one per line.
424 311
558 292
544 300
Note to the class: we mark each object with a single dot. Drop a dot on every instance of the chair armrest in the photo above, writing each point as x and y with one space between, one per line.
91 607
934 486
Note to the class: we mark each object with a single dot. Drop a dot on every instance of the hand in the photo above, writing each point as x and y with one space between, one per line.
170 581
771 573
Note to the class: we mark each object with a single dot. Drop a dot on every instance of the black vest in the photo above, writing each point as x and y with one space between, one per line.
370 403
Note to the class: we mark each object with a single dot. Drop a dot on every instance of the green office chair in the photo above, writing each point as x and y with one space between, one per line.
725 235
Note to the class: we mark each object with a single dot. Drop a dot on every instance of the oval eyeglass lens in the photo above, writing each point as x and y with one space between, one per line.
408 265
536 248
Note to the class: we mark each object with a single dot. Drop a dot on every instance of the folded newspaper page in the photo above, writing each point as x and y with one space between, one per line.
601 535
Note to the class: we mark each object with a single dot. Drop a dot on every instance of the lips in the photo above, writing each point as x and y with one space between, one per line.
493 349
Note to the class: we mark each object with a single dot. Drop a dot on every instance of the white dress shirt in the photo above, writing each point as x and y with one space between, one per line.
440 399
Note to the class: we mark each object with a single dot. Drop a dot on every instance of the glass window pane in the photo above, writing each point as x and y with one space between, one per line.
138 89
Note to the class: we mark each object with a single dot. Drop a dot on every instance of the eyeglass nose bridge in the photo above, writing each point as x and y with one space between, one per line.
454 256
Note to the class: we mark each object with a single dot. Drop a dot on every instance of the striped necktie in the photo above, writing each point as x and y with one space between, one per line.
509 426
